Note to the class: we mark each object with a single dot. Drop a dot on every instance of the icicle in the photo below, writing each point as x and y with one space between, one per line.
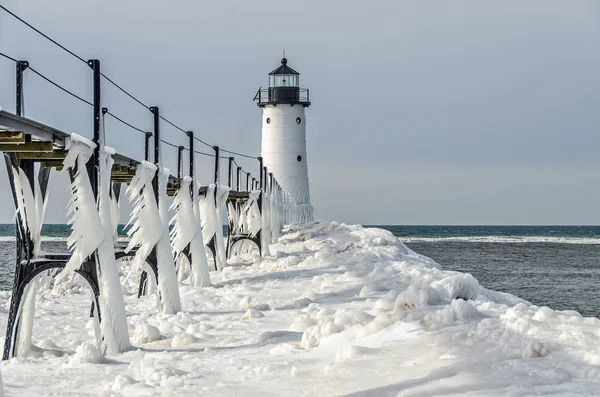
208 213
187 231
115 212
86 227
233 217
266 222
167 276
29 207
146 229
199 265
251 212
112 304
222 195
184 222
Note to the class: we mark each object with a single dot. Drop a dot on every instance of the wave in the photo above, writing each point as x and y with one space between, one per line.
506 239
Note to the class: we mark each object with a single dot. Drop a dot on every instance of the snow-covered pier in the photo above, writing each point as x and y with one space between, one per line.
164 250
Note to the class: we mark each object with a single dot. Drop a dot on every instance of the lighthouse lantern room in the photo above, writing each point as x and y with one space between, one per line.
284 137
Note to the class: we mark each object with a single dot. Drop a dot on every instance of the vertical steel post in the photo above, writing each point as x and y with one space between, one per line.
179 160
216 149
94 162
147 145
271 182
260 161
264 175
190 134
230 171
239 175
248 187
155 112
21 66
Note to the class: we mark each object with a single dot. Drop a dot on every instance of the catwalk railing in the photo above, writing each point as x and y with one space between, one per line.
256 210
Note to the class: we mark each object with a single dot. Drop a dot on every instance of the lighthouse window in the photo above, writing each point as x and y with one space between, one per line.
299 158
285 80
268 120
298 120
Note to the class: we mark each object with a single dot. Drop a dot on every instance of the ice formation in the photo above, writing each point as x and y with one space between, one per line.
208 213
251 216
186 232
87 231
115 211
222 195
145 230
167 275
151 230
30 209
200 272
266 223
115 334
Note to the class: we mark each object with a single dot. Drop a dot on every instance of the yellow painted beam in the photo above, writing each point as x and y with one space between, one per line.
38 147
12 136
54 155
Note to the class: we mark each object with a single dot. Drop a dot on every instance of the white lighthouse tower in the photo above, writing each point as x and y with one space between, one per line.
284 137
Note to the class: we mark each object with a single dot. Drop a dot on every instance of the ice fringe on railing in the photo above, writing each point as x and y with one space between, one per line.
221 256
115 212
30 210
30 207
251 214
86 227
151 230
266 224
187 232
208 214
112 303
167 274
145 230
201 275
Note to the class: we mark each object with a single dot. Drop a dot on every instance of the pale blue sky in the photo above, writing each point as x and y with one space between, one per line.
424 112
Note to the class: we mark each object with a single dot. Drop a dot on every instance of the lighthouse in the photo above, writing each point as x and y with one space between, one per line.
284 137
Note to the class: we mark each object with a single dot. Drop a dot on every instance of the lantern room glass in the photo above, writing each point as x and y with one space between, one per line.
283 80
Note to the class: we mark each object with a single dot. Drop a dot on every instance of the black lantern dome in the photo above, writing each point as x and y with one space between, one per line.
284 88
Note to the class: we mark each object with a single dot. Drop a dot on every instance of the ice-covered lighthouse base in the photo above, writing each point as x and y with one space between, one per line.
336 310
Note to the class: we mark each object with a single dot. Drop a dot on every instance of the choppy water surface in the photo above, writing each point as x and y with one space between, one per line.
556 266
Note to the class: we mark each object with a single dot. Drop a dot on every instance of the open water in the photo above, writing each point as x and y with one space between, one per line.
556 266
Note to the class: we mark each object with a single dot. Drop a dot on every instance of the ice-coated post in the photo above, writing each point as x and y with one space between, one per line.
94 162
155 112
248 187
270 182
230 171
239 175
